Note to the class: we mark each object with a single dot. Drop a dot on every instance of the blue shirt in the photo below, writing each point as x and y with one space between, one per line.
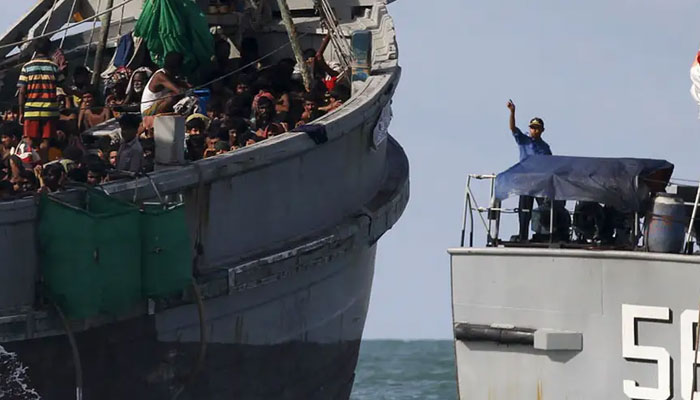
529 146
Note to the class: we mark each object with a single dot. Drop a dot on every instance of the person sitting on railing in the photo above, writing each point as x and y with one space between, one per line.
164 89
528 145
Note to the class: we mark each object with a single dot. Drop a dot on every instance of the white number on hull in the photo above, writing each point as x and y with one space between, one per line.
689 320
632 351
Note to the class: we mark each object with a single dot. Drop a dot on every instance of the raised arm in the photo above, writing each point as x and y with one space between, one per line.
511 107
321 61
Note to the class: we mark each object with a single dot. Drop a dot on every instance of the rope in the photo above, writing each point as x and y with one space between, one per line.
92 33
50 34
76 354
199 363
70 16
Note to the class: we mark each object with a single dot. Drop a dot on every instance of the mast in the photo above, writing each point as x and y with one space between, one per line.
105 21
292 32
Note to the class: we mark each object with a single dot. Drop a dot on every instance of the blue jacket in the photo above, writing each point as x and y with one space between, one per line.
529 146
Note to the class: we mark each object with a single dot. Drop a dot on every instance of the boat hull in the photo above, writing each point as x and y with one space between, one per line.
301 344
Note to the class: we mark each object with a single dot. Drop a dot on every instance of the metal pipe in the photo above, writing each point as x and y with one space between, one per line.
48 20
92 31
106 21
692 219
471 195
471 215
551 220
636 214
466 332
488 230
464 212
70 16
292 33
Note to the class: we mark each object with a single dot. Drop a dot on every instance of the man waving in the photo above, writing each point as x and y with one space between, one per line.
528 145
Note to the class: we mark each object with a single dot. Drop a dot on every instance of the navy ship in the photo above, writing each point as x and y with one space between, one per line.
285 234
600 302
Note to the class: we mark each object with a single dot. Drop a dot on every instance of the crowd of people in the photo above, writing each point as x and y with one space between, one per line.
47 140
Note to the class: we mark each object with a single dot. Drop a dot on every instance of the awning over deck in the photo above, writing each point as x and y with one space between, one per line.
610 181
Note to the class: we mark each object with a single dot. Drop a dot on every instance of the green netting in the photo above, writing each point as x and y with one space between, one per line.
167 252
91 257
176 25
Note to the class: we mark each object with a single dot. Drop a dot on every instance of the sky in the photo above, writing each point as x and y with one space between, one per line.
609 78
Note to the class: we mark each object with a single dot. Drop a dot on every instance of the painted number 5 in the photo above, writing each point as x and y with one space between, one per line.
632 351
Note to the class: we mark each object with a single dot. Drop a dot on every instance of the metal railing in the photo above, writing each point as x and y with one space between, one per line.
492 221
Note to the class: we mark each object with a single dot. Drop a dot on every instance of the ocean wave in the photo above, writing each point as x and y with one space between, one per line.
14 381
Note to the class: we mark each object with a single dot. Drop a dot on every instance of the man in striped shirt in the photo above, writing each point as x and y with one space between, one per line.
38 104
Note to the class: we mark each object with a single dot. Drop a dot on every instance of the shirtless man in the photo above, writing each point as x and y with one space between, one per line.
164 89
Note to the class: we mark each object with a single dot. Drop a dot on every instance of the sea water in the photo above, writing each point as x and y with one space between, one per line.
399 370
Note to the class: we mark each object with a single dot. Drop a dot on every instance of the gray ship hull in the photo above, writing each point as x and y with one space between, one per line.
602 324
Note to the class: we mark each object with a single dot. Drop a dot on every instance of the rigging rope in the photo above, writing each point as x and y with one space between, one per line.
92 33
70 16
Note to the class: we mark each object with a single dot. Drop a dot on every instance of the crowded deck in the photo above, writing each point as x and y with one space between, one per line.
95 128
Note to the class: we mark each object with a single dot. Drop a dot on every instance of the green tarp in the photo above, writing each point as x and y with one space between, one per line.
176 25
166 251
91 257
107 256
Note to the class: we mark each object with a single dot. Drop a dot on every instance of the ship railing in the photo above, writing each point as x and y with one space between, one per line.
490 215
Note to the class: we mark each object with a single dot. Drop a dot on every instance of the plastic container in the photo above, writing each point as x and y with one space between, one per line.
666 225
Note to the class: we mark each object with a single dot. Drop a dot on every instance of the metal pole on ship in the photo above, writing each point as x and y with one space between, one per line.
105 21
292 32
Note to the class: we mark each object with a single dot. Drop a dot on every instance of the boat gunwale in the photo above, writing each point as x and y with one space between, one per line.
575 253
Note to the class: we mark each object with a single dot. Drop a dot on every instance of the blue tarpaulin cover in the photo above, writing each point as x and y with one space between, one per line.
610 181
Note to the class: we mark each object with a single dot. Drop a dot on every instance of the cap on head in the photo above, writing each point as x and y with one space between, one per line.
537 123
